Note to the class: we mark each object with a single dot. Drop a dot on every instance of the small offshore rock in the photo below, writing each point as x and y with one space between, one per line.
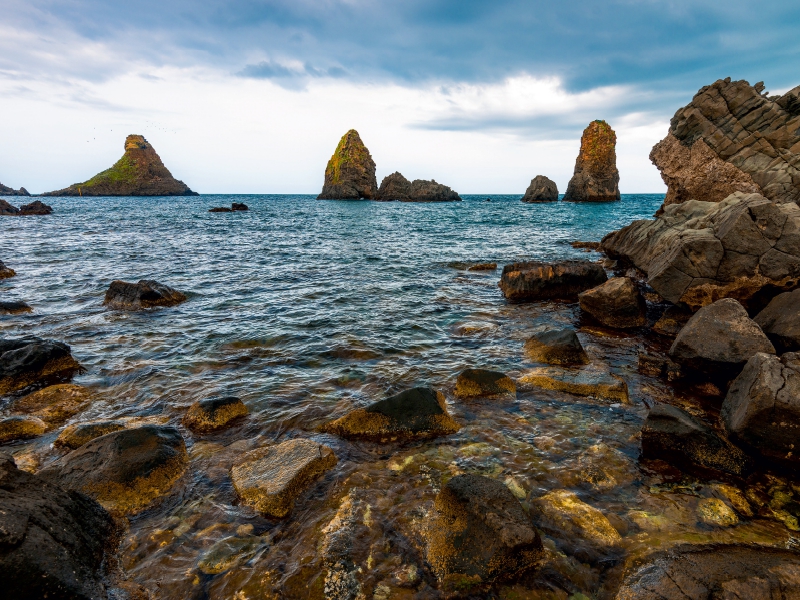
720 337
780 320
556 347
473 266
397 187
762 408
480 533
37 207
587 381
270 479
220 209
147 293
578 245
350 174
14 307
28 360
541 189
674 436
672 321
6 272
572 522
76 435
616 303
531 281
415 413
596 178
213 414
239 206
713 511
482 383
55 403
125 470
20 428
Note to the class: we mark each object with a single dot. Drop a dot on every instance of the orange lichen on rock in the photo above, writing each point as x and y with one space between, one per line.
350 174
596 178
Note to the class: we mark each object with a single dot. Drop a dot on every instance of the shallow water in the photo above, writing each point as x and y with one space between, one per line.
305 309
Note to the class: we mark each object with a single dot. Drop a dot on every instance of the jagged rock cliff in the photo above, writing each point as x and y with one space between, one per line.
397 187
350 174
541 189
732 137
596 178
7 191
139 172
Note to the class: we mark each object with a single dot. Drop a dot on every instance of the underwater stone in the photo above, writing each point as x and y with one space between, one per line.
213 414
556 347
481 383
55 403
587 381
573 522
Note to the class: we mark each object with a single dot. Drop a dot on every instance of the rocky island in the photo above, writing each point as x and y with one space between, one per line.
541 189
139 172
7 191
596 178
397 187
350 174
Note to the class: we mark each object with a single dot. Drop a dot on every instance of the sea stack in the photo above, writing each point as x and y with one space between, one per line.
397 187
350 174
541 189
7 191
139 172
730 138
596 178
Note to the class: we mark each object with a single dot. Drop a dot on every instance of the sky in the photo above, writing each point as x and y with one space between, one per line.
252 96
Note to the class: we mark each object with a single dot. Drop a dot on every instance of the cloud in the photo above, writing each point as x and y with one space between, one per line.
292 76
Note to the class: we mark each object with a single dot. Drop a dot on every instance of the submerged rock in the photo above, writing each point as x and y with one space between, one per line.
28 360
531 281
125 470
6 272
713 511
556 347
762 408
235 207
719 338
270 479
479 534
596 178
350 174
147 293
14 307
588 381
76 435
213 414
698 252
674 436
573 523
230 551
139 172
480 383
7 191
53 543
541 189
780 320
473 266
415 413
397 187
616 303
55 403
20 428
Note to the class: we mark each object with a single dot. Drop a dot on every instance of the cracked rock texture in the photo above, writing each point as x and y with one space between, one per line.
350 174
541 189
596 178
397 187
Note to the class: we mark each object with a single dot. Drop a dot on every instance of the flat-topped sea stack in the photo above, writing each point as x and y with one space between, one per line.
397 187
350 174
732 137
139 172
541 189
596 178
7 191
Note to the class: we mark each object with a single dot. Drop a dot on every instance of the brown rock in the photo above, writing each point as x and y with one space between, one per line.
76 435
37 207
587 381
213 414
615 303
541 189
531 281
147 293
556 347
780 320
672 321
6 272
55 403
397 187
7 209
20 428
596 178
29 360
480 383
350 174
270 479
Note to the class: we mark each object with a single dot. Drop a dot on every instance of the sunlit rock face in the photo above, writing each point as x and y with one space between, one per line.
350 174
596 178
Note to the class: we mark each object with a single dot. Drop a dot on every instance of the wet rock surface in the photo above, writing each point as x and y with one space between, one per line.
673 435
53 543
596 178
350 174
147 293
414 413
139 172
615 303
541 189
29 360
480 533
397 187
126 470
586 381
20 428
672 321
719 338
780 320
482 383
6 272
556 347
213 414
530 281
574 523
37 207
55 403
270 479
76 435
14 307
235 207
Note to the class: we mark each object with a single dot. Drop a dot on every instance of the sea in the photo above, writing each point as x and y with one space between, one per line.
306 309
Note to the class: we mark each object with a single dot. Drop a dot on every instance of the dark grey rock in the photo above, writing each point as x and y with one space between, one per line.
29 360
780 320
14 307
556 347
541 189
531 281
616 303
147 293
397 187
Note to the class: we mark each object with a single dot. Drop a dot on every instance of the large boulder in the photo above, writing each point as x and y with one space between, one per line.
397 187
53 542
213 414
412 414
479 534
76 435
37 207
29 360
556 347
615 303
596 178
350 174
6 272
674 436
270 479
714 572
139 172
780 320
147 293
541 189
732 138
698 252
719 338
534 280
762 408
7 191
125 470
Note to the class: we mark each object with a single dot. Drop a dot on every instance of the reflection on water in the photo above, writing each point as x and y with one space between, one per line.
305 309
